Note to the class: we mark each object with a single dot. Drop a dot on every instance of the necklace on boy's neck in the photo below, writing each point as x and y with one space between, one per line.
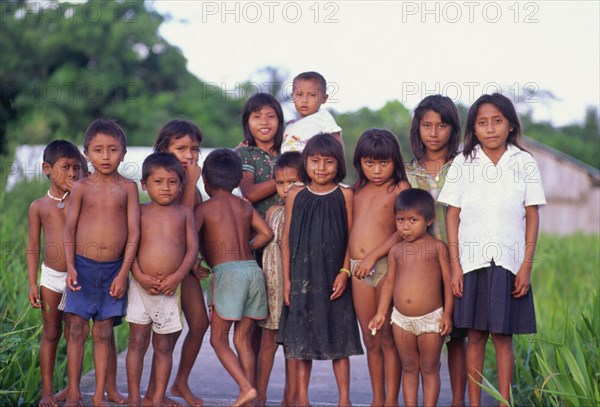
60 204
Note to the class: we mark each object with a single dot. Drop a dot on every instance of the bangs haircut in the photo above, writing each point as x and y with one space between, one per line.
445 107
325 145
418 200
291 159
378 144
166 161
254 104
58 149
104 126
174 130
505 106
312 76
223 169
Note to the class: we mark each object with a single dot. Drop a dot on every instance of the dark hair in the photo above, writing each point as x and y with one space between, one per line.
378 144
312 76
417 199
222 169
58 149
506 107
290 159
176 129
326 145
104 126
167 161
254 104
443 106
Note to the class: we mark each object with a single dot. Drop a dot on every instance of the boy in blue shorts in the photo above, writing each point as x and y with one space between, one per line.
237 292
101 236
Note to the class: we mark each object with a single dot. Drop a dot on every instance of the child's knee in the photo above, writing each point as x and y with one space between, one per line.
138 341
430 366
52 332
163 344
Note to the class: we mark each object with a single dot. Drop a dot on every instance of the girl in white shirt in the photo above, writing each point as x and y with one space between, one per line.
493 191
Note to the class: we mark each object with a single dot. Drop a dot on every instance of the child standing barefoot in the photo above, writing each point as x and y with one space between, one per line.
492 240
434 140
320 322
286 172
182 138
418 274
381 178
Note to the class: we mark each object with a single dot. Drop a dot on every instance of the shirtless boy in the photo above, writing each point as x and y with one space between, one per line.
418 273
237 293
101 237
167 250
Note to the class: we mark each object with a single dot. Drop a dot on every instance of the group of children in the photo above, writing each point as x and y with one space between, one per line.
414 252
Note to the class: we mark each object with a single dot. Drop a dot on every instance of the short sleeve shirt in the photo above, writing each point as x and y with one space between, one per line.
492 200
298 132
260 164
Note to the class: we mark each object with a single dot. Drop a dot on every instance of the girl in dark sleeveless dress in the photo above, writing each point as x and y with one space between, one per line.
320 322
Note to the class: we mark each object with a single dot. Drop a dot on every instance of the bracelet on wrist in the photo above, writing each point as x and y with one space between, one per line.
344 270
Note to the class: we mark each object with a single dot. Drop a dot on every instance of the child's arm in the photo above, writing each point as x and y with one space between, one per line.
119 284
341 281
263 235
69 237
452 222
523 278
364 267
33 254
285 243
192 175
387 289
256 192
198 270
169 285
443 259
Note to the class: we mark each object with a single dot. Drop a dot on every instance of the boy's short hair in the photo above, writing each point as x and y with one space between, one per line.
104 126
60 149
223 169
417 199
162 160
176 129
291 159
312 76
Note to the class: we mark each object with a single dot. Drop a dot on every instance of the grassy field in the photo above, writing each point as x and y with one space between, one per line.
558 366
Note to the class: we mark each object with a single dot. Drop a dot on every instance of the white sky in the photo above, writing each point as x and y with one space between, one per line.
372 52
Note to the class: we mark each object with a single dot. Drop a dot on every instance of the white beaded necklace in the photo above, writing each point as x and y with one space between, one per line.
60 204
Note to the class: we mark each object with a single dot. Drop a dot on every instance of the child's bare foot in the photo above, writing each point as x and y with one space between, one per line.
245 397
99 401
62 394
183 391
114 396
134 402
48 400
73 402
344 402
149 402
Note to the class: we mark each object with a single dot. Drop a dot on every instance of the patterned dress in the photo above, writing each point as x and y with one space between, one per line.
273 270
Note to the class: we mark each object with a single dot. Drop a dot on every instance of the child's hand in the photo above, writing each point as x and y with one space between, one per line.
457 282
199 271
193 172
339 285
286 292
364 267
169 285
522 282
72 280
118 286
148 283
376 323
446 324
34 297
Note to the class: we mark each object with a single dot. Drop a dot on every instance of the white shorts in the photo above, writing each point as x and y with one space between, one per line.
418 325
54 281
162 311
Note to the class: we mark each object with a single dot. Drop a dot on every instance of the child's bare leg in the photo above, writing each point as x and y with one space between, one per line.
112 391
219 340
51 333
192 303
242 340
505 361
303 369
79 330
457 369
475 353
391 359
139 339
341 371
290 390
430 349
163 345
265 364
408 350
365 310
101 332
